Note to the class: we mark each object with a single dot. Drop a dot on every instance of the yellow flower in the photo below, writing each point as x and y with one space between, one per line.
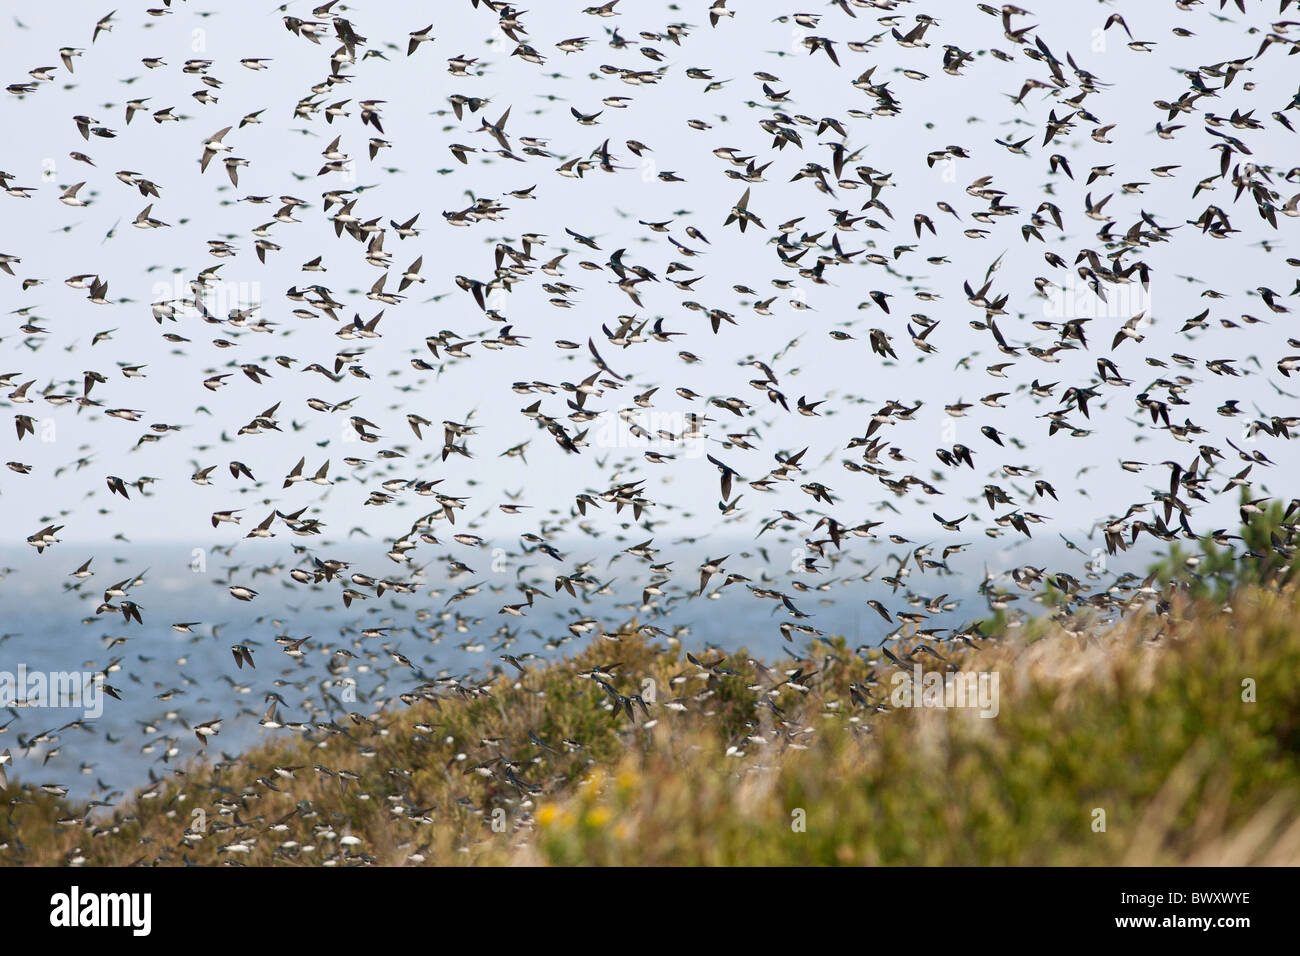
547 813
598 816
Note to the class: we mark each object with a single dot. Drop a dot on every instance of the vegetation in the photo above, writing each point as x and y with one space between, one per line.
1259 554
1179 733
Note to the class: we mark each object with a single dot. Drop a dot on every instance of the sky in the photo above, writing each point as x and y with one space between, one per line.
412 176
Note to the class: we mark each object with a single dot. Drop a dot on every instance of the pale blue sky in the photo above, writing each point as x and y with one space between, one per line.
55 242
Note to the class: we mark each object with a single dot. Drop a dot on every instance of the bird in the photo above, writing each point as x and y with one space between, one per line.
623 389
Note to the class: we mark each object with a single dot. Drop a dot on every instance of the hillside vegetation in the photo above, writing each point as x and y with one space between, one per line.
1180 735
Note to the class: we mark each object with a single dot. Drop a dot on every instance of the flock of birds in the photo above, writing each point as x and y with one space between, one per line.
799 465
